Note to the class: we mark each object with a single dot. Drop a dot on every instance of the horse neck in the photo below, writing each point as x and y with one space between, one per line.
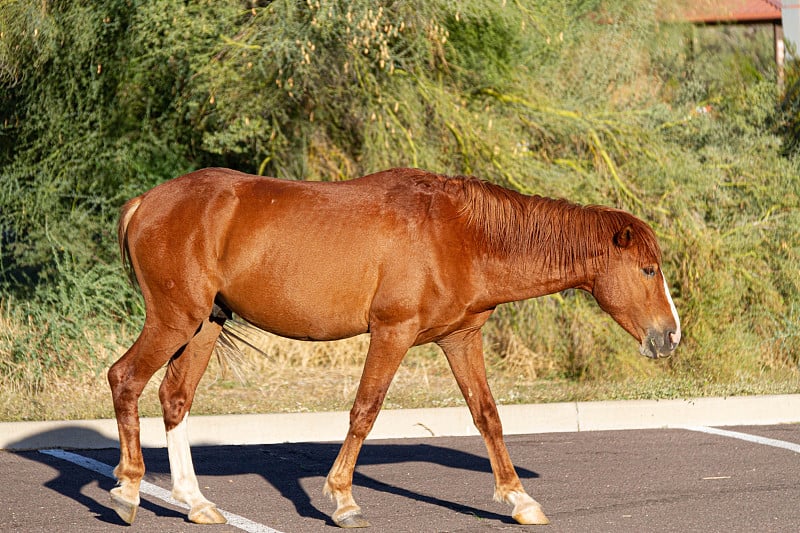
524 276
538 249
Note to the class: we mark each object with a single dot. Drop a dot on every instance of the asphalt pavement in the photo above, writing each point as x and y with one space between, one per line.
692 478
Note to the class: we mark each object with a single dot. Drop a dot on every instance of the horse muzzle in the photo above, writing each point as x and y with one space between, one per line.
660 344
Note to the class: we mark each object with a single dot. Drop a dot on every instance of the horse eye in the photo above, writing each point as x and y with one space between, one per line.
649 271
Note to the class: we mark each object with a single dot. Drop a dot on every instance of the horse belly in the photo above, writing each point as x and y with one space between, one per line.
312 299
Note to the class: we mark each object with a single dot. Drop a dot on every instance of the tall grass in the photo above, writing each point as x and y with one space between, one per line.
594 101
74 326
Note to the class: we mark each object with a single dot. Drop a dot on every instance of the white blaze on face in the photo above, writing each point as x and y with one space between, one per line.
677 336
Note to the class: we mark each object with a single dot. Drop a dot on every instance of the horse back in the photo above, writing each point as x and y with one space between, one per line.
305 259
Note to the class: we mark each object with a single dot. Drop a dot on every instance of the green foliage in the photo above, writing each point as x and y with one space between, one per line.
69 324
595 101
71 151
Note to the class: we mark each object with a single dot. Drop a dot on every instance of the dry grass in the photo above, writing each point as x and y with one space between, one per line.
289 376
299 376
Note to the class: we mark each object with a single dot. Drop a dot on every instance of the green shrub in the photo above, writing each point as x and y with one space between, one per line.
599 102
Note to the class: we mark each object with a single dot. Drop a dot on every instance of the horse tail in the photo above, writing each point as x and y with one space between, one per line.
125 215
236 335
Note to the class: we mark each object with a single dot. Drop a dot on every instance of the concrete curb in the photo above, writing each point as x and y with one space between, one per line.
408 423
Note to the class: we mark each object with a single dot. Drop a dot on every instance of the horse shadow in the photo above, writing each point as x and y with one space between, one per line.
284 466
72 479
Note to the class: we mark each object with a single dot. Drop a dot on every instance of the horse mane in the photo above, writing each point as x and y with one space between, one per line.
562 233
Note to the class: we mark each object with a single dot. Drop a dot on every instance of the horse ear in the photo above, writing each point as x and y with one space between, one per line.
624 237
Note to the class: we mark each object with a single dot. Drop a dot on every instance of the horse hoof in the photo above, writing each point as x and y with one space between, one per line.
530 513
350 519
125 509
206 514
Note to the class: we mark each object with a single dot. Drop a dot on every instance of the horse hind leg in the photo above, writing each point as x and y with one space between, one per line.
177 394
127 378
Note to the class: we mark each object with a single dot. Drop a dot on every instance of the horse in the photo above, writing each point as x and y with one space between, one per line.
408 256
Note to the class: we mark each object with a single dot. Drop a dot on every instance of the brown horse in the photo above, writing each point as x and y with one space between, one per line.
408 256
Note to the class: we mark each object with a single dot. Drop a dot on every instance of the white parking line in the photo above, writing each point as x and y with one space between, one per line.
234 520
749 438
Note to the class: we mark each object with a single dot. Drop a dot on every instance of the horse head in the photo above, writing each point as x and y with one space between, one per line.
633 290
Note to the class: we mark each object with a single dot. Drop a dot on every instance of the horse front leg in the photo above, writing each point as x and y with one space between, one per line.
177 394
464 352
386 349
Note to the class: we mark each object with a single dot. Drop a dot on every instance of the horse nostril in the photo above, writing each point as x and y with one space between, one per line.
673 338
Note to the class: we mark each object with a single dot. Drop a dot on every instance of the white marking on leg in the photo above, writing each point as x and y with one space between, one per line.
103 469
526 509
677 338
184 482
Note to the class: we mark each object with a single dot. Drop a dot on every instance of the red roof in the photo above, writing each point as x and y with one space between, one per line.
717 11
